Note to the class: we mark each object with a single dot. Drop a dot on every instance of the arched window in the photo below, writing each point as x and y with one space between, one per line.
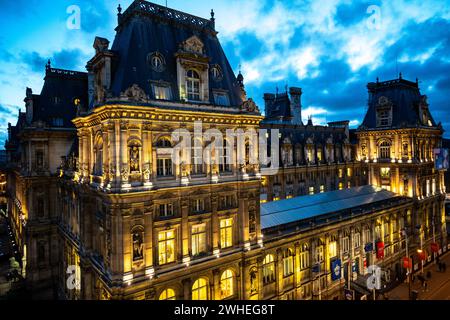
168 294
288 262
200 289
163 143
193 85
268 269
227 284
385 150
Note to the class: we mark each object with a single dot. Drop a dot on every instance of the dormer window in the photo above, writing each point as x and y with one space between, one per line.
384 112
193 85
383 118
161 92
216 73
221 99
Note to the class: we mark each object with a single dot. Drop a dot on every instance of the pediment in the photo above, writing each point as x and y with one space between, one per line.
194 45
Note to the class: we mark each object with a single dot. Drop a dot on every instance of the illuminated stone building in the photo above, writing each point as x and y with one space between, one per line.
43 135
313 159
396 140
101 211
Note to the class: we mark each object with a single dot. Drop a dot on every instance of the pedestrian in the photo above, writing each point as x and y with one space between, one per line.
425 285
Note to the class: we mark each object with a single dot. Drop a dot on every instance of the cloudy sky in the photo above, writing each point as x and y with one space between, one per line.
331 48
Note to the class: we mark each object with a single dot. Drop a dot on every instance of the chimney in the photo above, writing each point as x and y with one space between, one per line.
296 105
29 105
269 98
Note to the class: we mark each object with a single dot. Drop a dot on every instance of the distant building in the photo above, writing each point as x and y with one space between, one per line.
92 188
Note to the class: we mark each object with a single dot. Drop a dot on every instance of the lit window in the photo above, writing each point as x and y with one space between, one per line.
168 294
166 246
319 253
309 152
276 198
385 173
193 85
268 269
198 239
226 233
288 262
319 155
322 188
340 186
340 173
221 99
304 257
311 190
76 102
385 150
349 172
357 240
349 184
346 244
332 249
226 284
164 167
200 290
162 92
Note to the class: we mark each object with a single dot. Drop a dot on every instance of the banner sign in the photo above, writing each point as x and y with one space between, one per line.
336 269
441 158
380 250
434 247
368 247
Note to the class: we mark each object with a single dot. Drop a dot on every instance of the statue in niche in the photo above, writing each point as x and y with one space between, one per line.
134 158
138 245
253 282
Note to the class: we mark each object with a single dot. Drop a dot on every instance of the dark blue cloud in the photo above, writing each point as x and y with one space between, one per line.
65 59
250 46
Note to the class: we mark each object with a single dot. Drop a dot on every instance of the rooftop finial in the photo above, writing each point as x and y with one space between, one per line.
378 79
400 76
48 65
213 20
417 80
119 13
276 90
240 78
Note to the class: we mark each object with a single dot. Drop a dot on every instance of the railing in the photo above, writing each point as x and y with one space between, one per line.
160 11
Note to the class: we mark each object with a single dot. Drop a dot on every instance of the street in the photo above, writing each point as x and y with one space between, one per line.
438 285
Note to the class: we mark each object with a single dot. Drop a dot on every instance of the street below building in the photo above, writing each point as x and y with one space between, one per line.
437 286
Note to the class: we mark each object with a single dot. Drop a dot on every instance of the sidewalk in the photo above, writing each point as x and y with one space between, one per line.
436 282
